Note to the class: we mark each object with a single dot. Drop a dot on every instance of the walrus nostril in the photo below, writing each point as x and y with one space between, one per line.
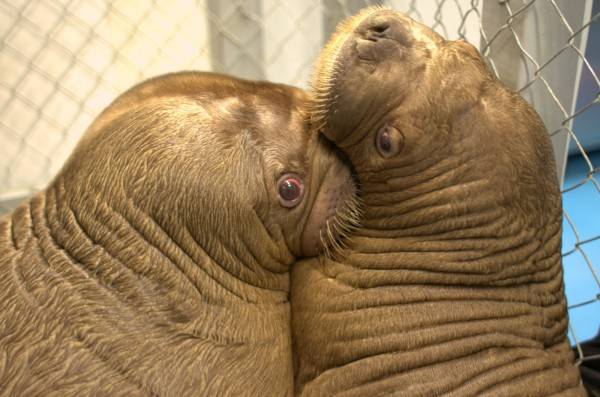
380 27
377 31
386 26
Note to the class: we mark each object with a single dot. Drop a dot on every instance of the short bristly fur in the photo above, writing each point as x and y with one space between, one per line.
157 261
452 285
326 69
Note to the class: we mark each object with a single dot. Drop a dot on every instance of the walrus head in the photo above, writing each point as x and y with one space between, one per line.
220 165
406 104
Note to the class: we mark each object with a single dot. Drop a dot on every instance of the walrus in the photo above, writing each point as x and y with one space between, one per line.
157 260
452 285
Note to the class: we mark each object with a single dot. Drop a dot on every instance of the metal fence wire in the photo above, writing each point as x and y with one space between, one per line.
63 61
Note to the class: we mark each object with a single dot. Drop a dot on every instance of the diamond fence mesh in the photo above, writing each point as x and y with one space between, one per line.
63 61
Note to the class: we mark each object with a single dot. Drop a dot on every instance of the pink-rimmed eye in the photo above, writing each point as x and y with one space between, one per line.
389 141
290 190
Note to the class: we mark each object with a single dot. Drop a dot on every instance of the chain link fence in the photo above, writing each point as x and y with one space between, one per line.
63 61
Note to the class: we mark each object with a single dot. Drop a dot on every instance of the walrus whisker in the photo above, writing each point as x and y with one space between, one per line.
324 242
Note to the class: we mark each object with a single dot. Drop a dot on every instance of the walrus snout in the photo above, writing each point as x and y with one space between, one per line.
385 33
380 35
334 211
386 25
382 54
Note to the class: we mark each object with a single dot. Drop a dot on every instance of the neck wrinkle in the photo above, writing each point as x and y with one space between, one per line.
131 241
466 231
418 305
450 278
506 259
467 255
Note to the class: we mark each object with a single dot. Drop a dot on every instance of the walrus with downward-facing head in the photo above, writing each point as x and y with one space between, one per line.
453 283
157 261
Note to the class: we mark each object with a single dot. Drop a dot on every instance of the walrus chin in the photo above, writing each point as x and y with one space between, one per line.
330 225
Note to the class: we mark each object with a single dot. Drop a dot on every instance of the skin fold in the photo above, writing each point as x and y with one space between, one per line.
453 283
157 261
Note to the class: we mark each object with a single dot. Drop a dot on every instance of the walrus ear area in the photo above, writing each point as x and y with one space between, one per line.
467 49
464 77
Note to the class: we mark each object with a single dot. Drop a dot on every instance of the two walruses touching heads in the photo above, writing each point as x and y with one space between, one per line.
158 260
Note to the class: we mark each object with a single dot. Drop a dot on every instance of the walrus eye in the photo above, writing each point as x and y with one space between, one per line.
290 190
389 141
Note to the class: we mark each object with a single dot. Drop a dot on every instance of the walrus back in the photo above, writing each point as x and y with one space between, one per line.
40 352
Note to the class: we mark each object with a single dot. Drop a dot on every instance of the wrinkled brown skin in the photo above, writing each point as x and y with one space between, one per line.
453 284
157 262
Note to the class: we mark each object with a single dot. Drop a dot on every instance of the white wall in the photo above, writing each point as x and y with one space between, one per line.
62 62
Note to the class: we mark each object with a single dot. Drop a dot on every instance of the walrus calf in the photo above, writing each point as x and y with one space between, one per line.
157 261
453 283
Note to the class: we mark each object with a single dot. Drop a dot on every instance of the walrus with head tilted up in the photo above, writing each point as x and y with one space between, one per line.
157 261
452 286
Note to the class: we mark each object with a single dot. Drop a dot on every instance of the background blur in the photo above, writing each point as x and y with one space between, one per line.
63 61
